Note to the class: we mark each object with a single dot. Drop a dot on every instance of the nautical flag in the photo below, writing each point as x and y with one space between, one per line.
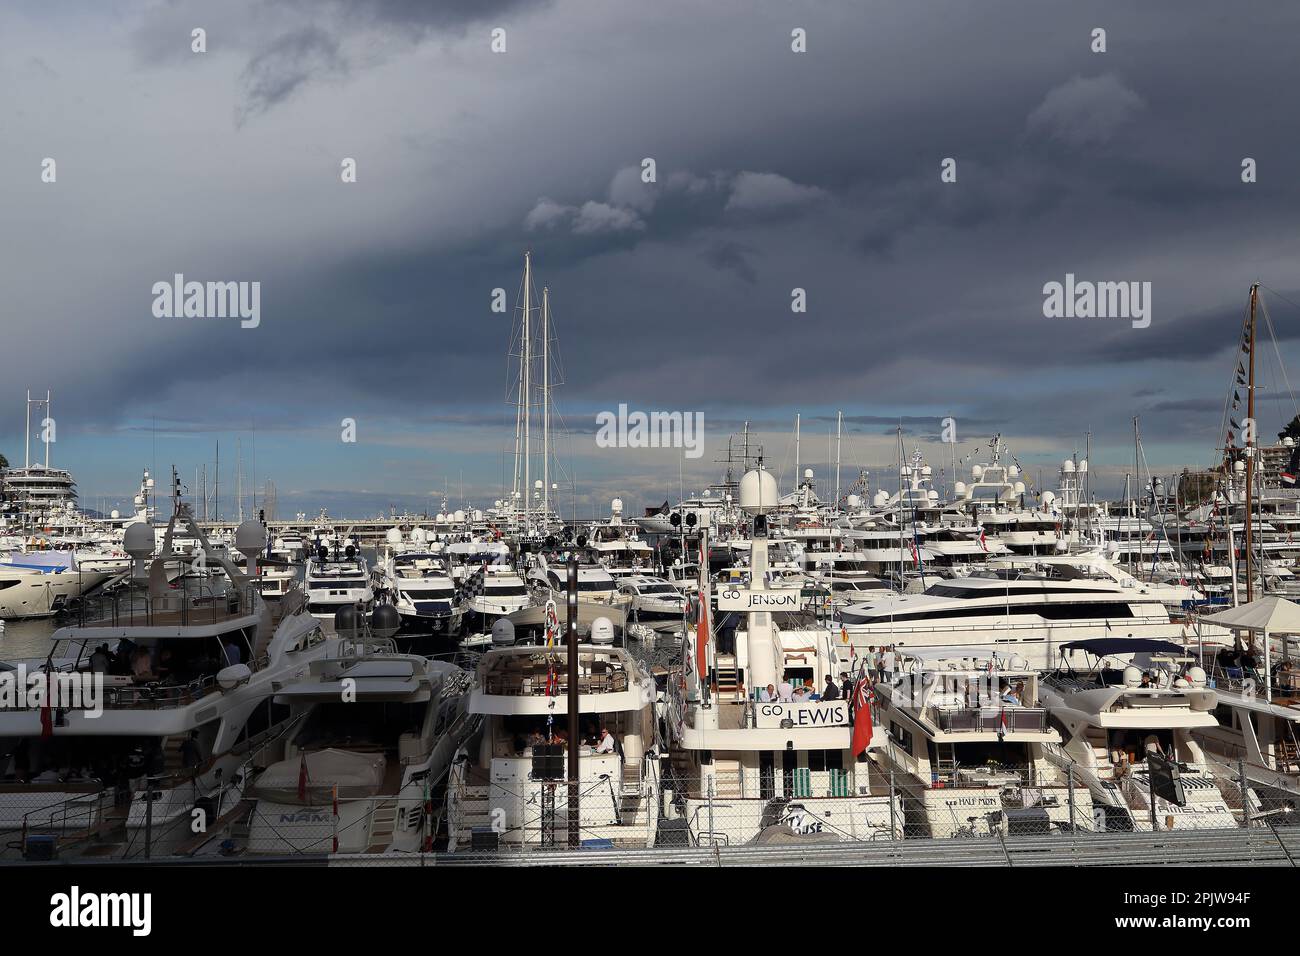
1292 467
862 698
912 544
1002 722
552 624
983 544
702 620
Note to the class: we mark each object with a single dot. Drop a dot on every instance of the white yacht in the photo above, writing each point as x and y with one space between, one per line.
419 586
1115 701
374 734
183 723
748 769
653 599
506 787
1018 611
967 743
42 583
494 591
595 584
336 581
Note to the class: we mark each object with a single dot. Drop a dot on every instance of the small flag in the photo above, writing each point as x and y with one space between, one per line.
862 697
983 543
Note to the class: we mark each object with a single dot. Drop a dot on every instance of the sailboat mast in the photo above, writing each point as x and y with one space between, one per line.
839 427
546 402
1250 435
527 390
796 451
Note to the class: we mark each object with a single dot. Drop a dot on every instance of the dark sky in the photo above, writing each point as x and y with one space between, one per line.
775 170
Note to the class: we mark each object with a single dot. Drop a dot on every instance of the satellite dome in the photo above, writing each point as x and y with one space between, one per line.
1019 487
478 515
758 491
959 487
250 538
440 517
228 678
1083 466
385 621
881 499
1239 466
346 620
1196 676
114 514
419 536
977 472
1014 471
616 506
138 541
1132 676
1288 442
602 631
854 501
393 536
932 495
926 471
458 516
503 632
1067 467
905 470
808 473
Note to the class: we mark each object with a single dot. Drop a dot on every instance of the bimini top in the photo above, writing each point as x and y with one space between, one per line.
1102 646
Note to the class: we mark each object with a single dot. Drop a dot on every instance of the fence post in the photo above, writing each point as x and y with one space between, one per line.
1245 794
892 819
1069 779
709 794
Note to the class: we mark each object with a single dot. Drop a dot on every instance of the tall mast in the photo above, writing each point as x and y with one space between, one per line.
1250 437
239 477
527 393
216 486
45 432
796 451
546 402
27 439
839 427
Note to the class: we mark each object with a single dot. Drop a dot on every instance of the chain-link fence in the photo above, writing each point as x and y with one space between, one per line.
655 806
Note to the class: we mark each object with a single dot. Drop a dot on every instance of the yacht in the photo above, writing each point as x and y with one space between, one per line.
335 581
967 743
419 586
595 584
1019 610
506 786
1114 701
653 599
43 583
374 735
747 769
181 724
495 590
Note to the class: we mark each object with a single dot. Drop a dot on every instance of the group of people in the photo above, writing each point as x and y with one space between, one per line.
805 690
161 663
600 740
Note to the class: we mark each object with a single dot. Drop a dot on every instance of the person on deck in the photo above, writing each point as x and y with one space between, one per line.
606 745
830 692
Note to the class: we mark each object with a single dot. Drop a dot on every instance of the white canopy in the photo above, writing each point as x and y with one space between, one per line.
1272 614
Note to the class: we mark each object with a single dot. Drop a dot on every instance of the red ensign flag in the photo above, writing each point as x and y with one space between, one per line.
862 717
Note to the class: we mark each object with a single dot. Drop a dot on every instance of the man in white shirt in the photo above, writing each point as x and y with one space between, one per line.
606 745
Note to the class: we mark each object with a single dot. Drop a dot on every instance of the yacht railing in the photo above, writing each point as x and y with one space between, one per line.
989 719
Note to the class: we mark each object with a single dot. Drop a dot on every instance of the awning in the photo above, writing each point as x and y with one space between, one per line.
1273 614
1102 646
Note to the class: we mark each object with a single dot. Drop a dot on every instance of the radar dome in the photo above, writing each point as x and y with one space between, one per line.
345 620
807 472
393 536
228 678
250 537
1132 676
385 621
419 536
1020 487
1239 466
932 495
1014 471
602 631
854 501
458 516
114 514
926 471
905 470
1067 468
1196 676
503 632
758 491
959 487
977 472
616 506
881 499
1288 442
1083 465
138 541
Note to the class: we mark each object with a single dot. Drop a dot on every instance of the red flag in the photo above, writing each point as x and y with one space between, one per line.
983 545
47 713
302 777
862 717
702 618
